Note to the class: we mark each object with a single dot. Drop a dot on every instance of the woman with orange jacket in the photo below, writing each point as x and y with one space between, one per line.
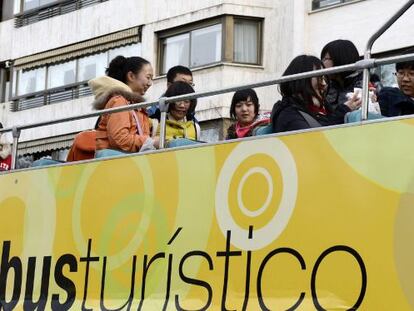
126 82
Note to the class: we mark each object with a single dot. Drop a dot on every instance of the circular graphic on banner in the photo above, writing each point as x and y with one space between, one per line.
276 157
140 202
266 174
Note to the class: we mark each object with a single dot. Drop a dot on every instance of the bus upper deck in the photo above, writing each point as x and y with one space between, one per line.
318 219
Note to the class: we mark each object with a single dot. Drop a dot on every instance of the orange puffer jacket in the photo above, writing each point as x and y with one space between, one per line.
119 130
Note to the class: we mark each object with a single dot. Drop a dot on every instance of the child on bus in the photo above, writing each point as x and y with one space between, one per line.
338 53
244 110
126 82
303 101
181 126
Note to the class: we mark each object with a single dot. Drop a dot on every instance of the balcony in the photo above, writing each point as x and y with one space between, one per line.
50 10
50 96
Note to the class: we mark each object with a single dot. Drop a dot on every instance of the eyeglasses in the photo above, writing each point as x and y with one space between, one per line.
402 74
188 82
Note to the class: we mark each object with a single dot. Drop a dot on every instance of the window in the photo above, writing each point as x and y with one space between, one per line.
246 41
127 51
61 74
92 66
205 46
31 11
31 85
33 4
31 81
6 10
4 82
320 4
228 38
176 51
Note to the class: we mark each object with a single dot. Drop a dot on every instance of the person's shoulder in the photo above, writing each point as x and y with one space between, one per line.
387 93
116 101
390 90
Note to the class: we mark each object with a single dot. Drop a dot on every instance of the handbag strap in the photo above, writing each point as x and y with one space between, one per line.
139 128
309 119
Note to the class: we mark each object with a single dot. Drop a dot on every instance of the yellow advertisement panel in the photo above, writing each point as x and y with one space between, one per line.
312 221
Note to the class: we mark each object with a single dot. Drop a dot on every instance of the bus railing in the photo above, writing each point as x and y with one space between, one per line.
367 55
364 65
164 101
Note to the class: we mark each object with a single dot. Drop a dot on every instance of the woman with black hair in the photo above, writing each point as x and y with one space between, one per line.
244 110
180 122
126 82
303 101
338 53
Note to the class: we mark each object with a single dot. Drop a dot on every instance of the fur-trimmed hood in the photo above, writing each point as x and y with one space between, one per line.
106 87
5 151
5 146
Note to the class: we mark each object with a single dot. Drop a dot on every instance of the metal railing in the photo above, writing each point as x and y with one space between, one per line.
364 65
367 54
51 10
50 96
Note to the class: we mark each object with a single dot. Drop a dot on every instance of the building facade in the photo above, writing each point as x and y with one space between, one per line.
49 49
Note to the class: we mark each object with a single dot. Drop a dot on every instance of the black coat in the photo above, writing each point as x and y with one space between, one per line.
393 102
286 116
337 93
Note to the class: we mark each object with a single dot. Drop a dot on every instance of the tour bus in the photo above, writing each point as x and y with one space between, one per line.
318 219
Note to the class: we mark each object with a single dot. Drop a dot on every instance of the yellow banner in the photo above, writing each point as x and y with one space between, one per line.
313 221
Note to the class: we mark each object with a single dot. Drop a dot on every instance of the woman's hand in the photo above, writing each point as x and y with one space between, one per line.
354 102
156 143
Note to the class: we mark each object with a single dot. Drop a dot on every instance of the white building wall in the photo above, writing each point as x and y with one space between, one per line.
357 21
116 15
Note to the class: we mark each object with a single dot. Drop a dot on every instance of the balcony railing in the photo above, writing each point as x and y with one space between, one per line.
50 96
50 10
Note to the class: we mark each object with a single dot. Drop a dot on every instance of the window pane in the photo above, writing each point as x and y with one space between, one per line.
17 7
14 85
206 45
127 51
30 4
386 75
325 3
45 2
33 4
92 66
31 81
246 41
61 74
7 91
176 51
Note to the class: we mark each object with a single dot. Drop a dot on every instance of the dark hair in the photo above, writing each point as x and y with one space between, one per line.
300 89
342 52
120 66
174 71
408 64
181 88
374 78
244 95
